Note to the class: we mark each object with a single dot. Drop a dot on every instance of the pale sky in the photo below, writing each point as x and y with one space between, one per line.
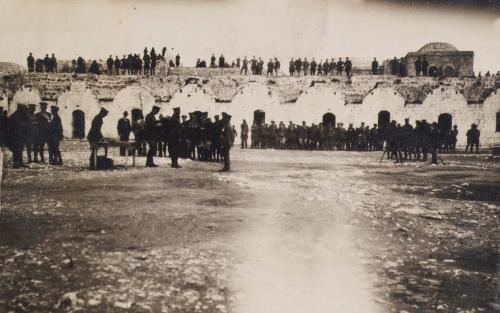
267 28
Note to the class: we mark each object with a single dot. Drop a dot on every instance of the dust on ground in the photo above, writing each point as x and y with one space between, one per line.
290 231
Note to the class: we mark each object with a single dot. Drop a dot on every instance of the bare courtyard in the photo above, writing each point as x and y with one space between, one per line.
286 231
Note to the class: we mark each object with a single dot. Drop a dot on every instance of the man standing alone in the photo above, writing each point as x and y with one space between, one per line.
244 135
124 128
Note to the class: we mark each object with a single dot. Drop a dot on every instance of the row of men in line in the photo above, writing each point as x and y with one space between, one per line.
30 130
322 68
47 64
197 138
363 138
131 64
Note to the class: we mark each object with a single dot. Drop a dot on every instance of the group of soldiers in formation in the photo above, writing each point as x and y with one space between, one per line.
334 68
132 64
403 142
197 138
26 129
47 64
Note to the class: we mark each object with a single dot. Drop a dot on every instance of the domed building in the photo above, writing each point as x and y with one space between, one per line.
442 58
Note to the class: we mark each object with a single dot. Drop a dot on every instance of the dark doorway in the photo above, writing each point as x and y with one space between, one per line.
259 117
445 122
384 118
78 124
449 71
329 119
136 114
433 71
498 122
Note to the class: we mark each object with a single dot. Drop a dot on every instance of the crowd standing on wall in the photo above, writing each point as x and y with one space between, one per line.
131 64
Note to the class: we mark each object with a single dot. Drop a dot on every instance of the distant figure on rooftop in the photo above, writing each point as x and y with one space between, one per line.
375 66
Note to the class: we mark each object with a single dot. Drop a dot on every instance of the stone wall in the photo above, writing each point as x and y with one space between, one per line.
283 98
462 62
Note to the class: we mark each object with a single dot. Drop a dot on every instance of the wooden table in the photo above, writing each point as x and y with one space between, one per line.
127 145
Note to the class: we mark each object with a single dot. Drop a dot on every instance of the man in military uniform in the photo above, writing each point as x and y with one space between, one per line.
117 64
244 66
46 63
42 119
95 135
177 60
31 63
270 68
31 133
277 66
375 66
244 135
340 67
54 136
17 124
425 67
53 63
147 64
348 67
314 65
152 129
291 67
473 135
418 66
227 137
174 137
110 63
124 129
305 65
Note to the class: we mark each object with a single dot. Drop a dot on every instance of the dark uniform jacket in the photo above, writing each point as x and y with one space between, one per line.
55 129
124 127
95 134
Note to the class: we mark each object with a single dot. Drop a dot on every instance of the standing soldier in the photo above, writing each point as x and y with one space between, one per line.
320 68
95 135
244 135
298 66
473 135
425 67
340 67
418 66
31 133
313 67
124 128
147 64
277 66
375 66
151 131
163 51
42 119
177 60
212 61
227 137
46 63
53 63
54 136
306 67
17 124
291 68
270 67
453 140
244 66
174 137
31 63
348 67
117 65
125 65
110 63
154 58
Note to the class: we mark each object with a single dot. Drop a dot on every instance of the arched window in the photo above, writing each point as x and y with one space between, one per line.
78 124
384 118
329 118
445 122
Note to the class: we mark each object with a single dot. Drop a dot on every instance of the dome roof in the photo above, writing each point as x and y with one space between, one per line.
437 47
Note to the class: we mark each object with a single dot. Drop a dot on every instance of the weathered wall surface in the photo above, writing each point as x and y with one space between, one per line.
282 98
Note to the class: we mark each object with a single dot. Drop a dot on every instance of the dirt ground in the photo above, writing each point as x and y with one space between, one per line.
286 231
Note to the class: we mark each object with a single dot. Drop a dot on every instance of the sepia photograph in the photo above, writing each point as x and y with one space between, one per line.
249 156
